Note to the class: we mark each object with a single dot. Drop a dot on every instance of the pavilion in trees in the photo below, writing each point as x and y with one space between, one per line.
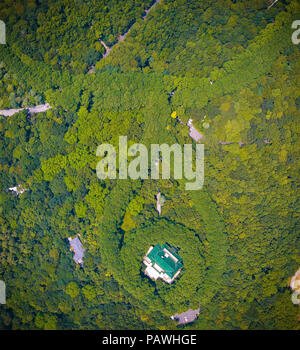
163 262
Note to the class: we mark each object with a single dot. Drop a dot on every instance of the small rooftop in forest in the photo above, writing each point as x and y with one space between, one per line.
186 317
194 133
163 262
77 248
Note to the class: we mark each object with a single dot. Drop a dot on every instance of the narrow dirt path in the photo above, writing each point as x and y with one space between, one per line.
32 110
122 37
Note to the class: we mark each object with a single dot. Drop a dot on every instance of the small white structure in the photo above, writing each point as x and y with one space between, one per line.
186 317
158 206
77 247
295 281
17 189
160 201
193 132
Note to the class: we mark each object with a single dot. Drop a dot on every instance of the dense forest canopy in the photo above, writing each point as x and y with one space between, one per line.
228 65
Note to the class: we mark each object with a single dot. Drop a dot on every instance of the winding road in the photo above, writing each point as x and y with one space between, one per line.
122 37
193 132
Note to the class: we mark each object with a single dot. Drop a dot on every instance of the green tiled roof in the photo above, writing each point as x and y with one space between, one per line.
157 256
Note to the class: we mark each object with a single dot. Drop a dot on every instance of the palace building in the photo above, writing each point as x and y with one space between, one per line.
163 262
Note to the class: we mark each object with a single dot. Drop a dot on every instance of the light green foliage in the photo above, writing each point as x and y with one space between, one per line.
136 205
53 166
95 198
128 223
89 292
81 209
72 289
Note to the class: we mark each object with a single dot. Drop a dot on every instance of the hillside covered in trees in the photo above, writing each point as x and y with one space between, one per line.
228 65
